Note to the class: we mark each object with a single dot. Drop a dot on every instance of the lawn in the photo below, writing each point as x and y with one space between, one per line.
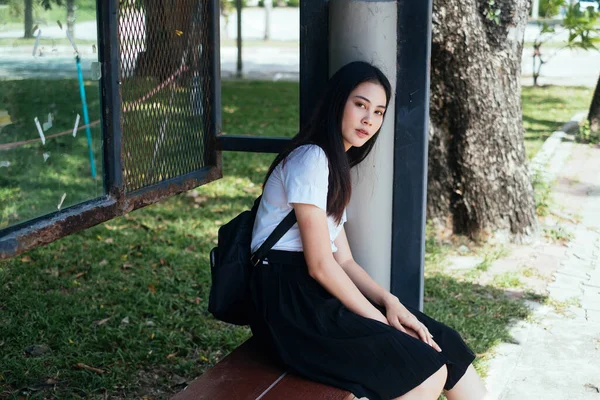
547 108
38 175
120 310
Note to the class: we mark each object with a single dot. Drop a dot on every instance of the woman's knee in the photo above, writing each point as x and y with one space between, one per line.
431 388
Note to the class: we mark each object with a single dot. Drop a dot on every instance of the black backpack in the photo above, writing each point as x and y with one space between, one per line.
231 265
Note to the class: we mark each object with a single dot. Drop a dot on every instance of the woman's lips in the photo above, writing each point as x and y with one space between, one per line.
361 133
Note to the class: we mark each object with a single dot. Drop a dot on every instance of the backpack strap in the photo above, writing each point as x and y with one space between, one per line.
273 238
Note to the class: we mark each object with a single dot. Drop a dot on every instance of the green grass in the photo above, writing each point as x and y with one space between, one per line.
547 108
38 174
150 268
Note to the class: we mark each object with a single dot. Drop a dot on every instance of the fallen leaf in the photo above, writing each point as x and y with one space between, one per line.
127 266
79 275
109 241
162 261
26 259
200 199
102 321
172 355
88 368
152 288
177 380
103 263
125 321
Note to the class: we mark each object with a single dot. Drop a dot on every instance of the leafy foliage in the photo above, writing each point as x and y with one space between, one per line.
579 23
493 12
550 8
586 135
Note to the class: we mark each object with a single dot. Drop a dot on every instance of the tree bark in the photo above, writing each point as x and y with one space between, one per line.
168 29
594 113
28 11
479 182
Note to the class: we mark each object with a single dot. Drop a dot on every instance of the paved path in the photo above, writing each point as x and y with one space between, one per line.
556 353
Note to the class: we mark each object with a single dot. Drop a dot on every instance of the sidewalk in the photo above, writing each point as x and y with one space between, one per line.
556 353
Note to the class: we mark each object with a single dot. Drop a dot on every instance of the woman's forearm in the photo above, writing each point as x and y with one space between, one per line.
333 278
367 285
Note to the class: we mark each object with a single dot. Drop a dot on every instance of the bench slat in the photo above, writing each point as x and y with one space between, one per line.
294 387
243 375
247 373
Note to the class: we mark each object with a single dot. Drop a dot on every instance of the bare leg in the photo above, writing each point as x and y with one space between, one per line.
469 387
430 389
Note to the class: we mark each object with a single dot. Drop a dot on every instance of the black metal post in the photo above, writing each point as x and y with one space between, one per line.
410 151
110 58
213 128
314 54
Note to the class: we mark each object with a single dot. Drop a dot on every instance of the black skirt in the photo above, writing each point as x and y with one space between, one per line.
313 334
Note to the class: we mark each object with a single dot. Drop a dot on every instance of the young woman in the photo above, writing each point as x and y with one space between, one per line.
317 309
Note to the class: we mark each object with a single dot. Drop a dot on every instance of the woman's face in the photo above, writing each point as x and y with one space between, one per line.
363 114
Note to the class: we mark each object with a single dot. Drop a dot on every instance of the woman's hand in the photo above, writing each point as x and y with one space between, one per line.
403 320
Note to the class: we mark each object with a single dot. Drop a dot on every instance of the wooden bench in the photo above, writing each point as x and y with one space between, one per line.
246 374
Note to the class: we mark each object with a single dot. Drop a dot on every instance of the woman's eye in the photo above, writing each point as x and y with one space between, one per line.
360 105
379 113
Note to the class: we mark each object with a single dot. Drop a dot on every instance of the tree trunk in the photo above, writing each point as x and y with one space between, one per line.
71 17
238 10
168 29
478 177
28 19
594 113
268 6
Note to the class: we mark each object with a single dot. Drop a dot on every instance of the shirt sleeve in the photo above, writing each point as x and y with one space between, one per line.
305 176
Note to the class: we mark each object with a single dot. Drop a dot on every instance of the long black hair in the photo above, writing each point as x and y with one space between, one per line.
324 129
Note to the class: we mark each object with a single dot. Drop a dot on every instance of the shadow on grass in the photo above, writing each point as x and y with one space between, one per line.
548 123
483 315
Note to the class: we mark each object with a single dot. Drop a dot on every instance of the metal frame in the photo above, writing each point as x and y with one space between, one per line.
115 202
314 54
410 151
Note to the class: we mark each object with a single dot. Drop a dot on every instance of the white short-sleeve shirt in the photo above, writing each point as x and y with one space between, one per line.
303 177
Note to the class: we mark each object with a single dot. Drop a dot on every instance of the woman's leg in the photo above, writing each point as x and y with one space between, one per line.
430 389
469 387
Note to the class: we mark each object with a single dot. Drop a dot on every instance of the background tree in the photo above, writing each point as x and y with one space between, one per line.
28 13
28 19
578 21
168 29
478 176
268 4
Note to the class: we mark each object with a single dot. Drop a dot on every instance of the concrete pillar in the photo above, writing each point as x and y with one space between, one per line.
363 30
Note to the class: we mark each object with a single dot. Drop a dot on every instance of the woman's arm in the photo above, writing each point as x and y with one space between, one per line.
396 314
322 266
359 276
